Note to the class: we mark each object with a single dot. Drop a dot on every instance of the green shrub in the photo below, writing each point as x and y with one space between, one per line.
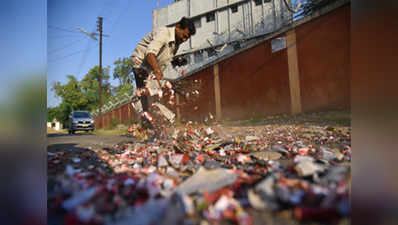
114 123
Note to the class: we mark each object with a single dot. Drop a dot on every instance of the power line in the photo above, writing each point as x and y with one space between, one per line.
62 36
120 15
62 29
83 59
65 46
108 5
66 56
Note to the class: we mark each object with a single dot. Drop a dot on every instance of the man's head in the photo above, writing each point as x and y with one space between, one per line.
185 28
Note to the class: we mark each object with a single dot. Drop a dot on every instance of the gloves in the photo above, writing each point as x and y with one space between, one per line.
179 61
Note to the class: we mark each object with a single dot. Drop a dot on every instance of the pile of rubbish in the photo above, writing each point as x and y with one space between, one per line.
196 174
286 174
162 96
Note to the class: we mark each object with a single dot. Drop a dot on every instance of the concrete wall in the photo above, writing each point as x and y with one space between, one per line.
223 28
236 22
177 10
247 19
201 6
270 15
258 16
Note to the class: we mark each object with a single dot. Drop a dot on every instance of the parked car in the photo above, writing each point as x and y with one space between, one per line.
80 120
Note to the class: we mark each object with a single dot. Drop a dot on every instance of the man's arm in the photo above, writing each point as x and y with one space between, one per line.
159 39
153 62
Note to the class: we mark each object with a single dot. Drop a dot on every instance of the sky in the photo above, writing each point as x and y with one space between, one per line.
70 51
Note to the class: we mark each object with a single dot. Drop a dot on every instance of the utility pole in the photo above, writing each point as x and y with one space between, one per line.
99 29
92 35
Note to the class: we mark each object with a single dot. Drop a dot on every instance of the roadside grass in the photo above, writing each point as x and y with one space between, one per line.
106 132
53 131
113 130
110 132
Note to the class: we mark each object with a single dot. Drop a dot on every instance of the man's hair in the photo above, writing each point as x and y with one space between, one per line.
185 22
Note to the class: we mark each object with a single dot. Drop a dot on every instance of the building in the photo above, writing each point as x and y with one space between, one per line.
55 124
222 26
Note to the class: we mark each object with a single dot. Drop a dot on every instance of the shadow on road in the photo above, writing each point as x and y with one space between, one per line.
63 134
62 147
60 156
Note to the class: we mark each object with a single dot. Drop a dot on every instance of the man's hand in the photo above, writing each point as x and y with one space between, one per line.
151 60
159 76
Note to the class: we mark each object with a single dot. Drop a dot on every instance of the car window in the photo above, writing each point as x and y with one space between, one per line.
81 115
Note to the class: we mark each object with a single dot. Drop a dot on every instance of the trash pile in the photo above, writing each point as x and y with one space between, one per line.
162 98
207 175
196 174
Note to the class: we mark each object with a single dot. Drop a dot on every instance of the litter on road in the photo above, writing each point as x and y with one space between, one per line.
206 177
205 174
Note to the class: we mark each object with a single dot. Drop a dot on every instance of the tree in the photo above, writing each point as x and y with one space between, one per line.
62 113
81 95
123 71
73 98
71 93
90 87
51 114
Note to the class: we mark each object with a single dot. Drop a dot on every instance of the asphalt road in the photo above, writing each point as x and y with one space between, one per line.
59 141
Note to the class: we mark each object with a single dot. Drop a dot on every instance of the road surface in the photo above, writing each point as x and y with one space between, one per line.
60 141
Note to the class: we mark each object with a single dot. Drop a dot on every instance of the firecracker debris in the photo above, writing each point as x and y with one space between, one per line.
279 170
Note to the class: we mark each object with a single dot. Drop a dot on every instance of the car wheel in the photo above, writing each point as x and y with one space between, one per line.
69 132
73 132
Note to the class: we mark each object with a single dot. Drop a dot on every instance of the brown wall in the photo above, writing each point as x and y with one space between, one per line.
323 51
255 82
124 114
252 83
206 100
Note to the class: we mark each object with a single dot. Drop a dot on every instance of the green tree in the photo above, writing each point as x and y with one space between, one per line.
123 71
90 87
81 95
62 113
73 98
51 114
71 93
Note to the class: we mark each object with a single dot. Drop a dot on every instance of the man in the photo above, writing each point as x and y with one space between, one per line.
155 51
